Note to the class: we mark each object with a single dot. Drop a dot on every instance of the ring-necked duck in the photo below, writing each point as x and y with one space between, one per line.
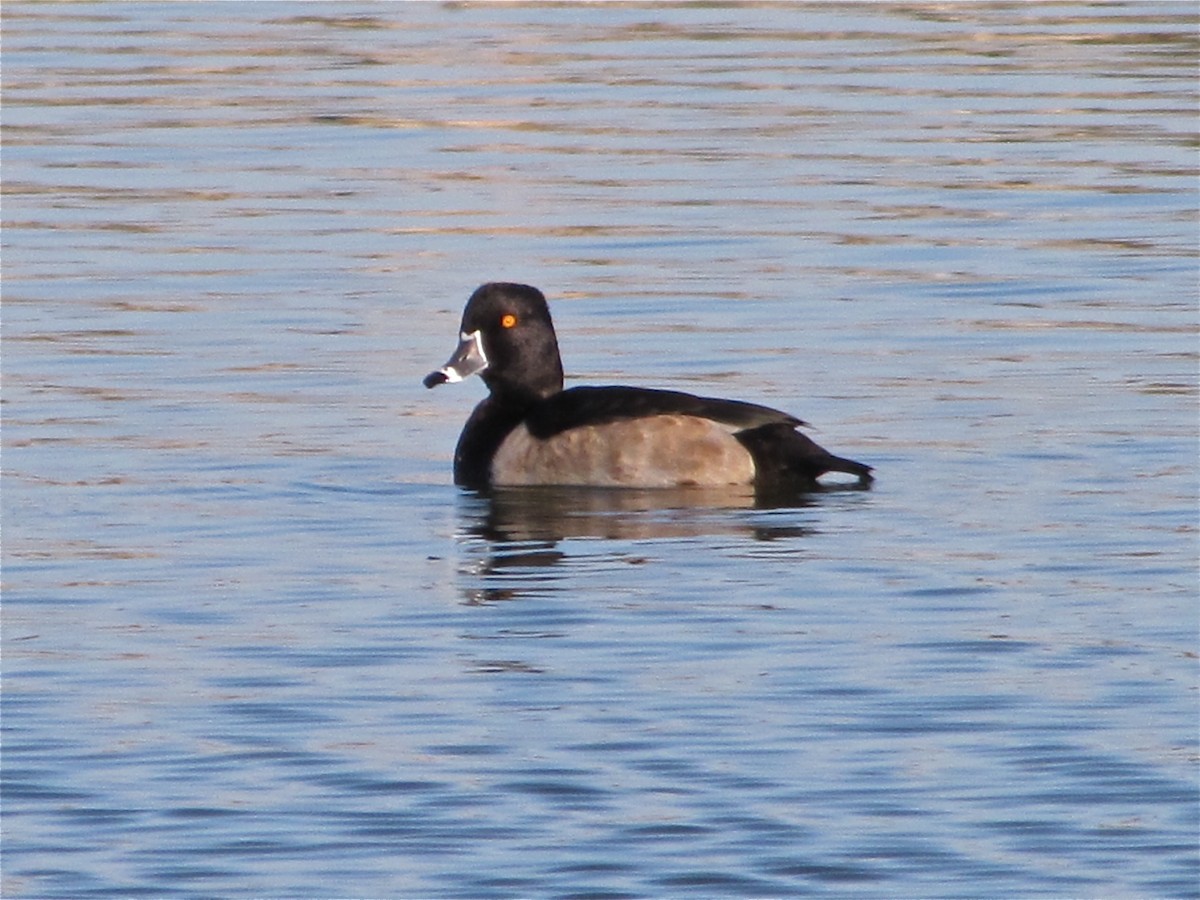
529 431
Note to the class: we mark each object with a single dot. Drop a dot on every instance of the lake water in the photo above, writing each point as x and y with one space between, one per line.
256 644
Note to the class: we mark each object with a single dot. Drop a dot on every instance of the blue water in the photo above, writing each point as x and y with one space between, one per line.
256 644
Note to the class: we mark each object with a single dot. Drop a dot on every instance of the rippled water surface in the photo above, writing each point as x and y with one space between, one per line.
256 644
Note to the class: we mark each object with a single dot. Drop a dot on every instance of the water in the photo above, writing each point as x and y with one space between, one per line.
256 644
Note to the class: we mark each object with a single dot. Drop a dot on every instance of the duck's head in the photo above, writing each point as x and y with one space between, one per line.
507 338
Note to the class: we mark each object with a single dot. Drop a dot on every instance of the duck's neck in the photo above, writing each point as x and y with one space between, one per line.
522 396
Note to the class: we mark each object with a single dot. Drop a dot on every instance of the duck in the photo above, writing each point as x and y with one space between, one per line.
530 431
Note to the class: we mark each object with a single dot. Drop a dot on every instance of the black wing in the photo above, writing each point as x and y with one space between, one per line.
597 405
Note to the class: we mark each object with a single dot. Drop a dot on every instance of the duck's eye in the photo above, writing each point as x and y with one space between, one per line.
508 320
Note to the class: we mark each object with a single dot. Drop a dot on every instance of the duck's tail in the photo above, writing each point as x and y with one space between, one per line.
784 456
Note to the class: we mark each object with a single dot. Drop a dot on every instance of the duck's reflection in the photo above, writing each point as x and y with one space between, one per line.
515 536
553 514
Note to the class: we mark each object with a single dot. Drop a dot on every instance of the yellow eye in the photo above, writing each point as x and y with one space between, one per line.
508 320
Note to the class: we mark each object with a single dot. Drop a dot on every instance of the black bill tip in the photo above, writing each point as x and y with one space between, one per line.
433 379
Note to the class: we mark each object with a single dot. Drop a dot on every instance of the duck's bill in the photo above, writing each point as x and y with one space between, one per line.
467 360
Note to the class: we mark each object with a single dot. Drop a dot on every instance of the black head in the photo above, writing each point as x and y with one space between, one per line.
507 337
